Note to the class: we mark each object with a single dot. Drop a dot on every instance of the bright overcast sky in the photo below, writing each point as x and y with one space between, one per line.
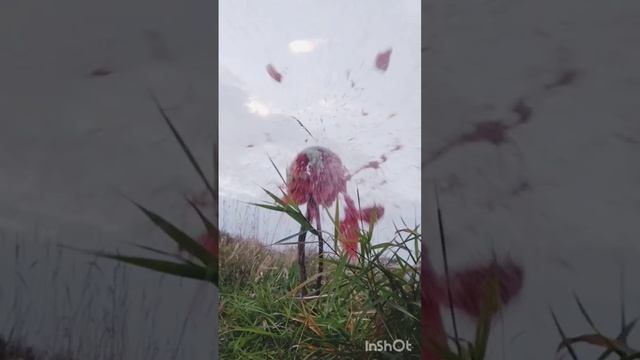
325 53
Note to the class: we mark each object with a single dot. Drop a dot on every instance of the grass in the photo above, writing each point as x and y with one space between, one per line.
16 350
611 345
57 307
477 349
10 350
436 345
262 315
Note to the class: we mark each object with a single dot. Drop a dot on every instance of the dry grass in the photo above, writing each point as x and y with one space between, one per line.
14 350
252 260
262 316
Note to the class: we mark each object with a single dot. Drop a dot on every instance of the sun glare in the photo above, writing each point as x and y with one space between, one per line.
256 107
302 46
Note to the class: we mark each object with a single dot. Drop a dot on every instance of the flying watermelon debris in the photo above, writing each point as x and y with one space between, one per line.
275 75
101 71
382 60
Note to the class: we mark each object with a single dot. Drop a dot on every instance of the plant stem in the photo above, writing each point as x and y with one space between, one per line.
434 338
320 249
443 243
301 257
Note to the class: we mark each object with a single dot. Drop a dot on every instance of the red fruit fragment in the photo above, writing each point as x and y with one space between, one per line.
373 165
275 75
469 287
349 229
316 173
101 71
209 242
494 132
372 214
382 60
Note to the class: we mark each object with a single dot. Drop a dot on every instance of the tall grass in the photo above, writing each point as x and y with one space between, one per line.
481 285
377 297
58 307
441 344
611 345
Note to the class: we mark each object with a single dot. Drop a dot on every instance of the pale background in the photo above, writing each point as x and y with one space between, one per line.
326 53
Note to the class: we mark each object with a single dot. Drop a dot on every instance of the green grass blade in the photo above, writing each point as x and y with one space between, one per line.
626 330
182 269
277 170
275 198
183 145
404 311
610 344
256 331
483 329
281 241
270 207
336 226
183 240
168 267
211 229
584 312
445 258
162 252
565 341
